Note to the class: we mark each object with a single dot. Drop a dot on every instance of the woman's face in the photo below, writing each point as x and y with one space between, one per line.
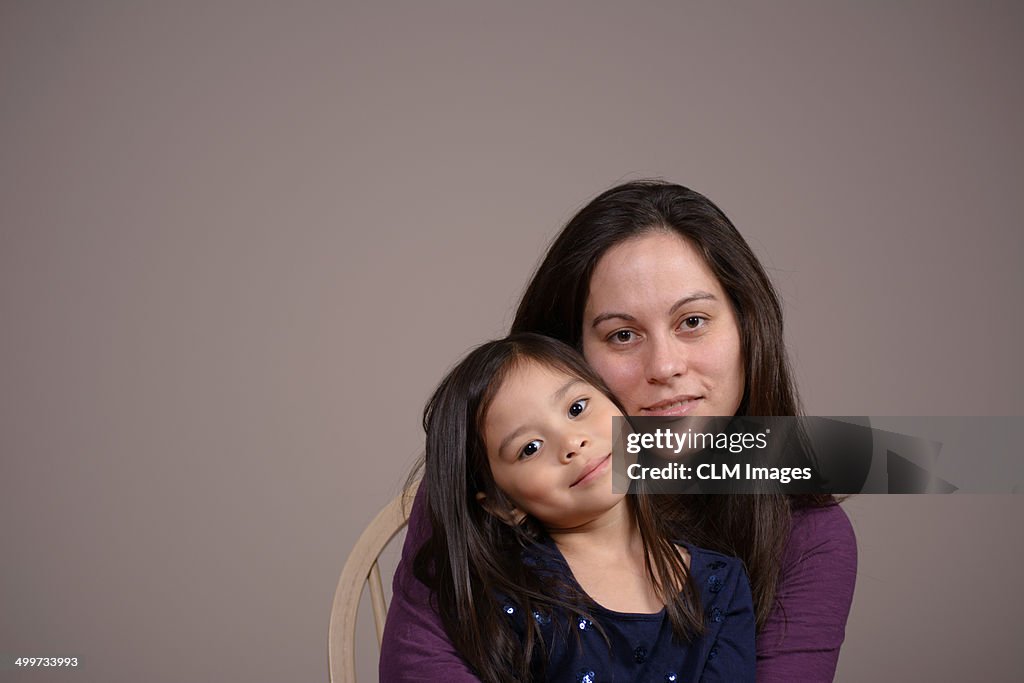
660 330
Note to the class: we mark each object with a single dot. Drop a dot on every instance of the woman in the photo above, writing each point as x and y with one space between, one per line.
669 305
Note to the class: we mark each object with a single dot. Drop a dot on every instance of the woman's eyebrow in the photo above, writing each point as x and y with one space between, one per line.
696 296
689 299
608 316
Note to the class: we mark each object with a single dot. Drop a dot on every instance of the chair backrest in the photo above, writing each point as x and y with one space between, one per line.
361 568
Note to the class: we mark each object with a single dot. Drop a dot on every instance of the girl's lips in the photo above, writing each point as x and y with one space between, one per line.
594 472
676 406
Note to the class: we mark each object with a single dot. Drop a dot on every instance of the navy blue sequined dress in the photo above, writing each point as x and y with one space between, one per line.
641 645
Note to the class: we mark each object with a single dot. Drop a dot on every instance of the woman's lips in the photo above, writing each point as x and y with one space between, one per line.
599 467
680 405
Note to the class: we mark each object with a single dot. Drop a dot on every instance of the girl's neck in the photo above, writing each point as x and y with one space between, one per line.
607 560
612 534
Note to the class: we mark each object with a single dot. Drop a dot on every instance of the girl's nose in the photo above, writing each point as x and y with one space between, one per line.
573 448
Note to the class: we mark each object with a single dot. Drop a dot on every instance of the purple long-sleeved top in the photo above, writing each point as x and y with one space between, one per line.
799 642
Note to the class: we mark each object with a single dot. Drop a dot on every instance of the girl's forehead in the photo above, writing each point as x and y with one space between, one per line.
528 387
530 377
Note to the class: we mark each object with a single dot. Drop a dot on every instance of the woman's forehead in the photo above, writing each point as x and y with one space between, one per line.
652 270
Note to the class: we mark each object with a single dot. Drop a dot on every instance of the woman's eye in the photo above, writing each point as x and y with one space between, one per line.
530 448
578 407
623 336
694 322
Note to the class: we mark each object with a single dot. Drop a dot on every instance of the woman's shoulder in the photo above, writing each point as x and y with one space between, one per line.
830 513
823 531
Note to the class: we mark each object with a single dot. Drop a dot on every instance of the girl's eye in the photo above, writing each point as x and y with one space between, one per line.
578 407
530 448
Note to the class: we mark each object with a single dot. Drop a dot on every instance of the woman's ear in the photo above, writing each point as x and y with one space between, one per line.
512 516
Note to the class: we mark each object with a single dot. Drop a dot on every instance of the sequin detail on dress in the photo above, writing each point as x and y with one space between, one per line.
585 676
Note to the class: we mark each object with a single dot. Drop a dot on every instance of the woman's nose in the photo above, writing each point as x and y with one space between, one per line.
665 361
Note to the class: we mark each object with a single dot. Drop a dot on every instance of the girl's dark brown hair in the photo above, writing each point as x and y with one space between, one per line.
473 561
754 528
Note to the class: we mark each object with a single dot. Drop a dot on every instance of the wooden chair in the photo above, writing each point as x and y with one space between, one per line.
361 567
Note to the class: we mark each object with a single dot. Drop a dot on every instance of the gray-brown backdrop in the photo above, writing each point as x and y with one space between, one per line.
240 242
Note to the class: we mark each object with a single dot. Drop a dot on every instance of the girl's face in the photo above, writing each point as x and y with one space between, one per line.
660 331
549 442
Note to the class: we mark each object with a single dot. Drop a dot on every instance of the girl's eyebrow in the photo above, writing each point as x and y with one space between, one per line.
564 389
508 439
696 296
557 397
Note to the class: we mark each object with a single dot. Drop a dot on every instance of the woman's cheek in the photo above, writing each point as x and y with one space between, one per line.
620 374
730 376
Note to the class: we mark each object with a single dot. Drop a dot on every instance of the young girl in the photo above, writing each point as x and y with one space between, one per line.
539 570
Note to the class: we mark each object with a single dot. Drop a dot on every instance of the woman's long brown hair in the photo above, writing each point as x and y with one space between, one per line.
754 528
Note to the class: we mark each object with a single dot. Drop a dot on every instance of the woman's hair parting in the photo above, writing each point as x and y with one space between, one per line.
473 561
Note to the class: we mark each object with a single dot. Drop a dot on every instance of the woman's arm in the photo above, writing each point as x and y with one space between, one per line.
801 640
416 646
